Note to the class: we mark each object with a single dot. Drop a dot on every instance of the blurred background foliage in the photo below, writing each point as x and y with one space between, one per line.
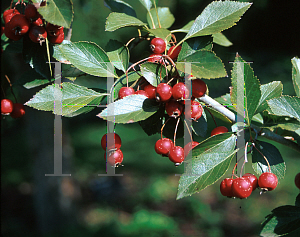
143 201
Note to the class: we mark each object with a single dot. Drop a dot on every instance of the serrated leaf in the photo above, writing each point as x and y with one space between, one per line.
273 156
118 54
243 79
269 91
57 12
286 106
147 4
216 17
204 64
72 97
120 6
161 33
185 29
166 18
117 20
57 54
193 45
296 75
199 127
88 57
282 221
221 39
130 109
210 161
153 72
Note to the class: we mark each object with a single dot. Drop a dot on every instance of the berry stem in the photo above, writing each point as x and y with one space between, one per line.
234 170
159 25
211 115
263 157
176 130
11 88
188 130
162 128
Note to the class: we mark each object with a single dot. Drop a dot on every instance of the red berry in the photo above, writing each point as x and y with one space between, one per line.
188 147
57 39
174 108
158 45
297 180
18 111
37 34
226 187
117 141
218 130
8 14
196 110
20 24
164 92
37 22
173 54
114 158
163 146
176 155
30 11
54 30
155 58
6 106
10 33
253 180
198 88
241 188
151 91
267 181
141 92
125 91
179 91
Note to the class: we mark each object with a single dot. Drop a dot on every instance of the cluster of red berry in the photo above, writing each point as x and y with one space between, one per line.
242 187
32 23
15 110
114 155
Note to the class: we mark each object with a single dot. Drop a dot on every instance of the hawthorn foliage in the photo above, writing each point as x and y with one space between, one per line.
267 112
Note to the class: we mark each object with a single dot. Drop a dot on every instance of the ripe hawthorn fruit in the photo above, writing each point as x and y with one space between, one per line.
8 14
20 24
151 91
7 106
37 34
158 45
117 141
176 155
226 187
179 91
297 180
267 181
30 12
141 92
253 180
10 33
198 88
18 111
114 158
196 110
218 130
241 188
37 22
57 39
173 108
125 91
173 54
164 92
163 146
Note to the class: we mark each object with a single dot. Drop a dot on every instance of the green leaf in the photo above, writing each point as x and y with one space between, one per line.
269 91
273 156
122 81
286 106
120 6
243 79
199 127
219 115
184 29
210 161
147 4
71 72
221 39
117 20
153 72
153 124
283 220
170 127
161 33
194 45
130 109
87 57
166 18
216 17
296 75
204 64
36 83
118 54
57 12
72 96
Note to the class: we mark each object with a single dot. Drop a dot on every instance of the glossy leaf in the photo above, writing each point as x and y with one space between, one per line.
153 124
286 106
153 72
210 160
269 91
216 17
130 109
120 6
166 18
243 79
147 4
117 20
273 156
296 75
221 39
199 127
118 54
204 64
72 97
88 57
57 12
